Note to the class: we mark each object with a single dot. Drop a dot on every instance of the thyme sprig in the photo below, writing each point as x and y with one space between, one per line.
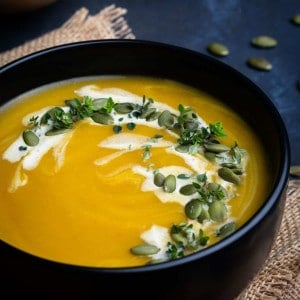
185 240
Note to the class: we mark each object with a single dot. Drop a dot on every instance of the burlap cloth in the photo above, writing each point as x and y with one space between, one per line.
279 278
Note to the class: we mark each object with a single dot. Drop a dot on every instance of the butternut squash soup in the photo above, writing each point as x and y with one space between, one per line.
124 171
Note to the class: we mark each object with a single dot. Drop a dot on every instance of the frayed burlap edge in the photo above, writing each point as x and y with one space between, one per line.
109 23
279 279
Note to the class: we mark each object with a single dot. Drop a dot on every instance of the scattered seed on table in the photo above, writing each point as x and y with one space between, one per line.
295 171
259 63
264 41
296 19
218 49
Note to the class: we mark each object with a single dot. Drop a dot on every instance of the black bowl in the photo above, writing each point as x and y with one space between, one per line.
221 271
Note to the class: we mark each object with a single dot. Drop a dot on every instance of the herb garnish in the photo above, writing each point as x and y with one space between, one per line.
185 240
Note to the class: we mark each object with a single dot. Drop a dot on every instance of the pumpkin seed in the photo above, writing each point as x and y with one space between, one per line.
179 238
295 171
157 261
182 148
169 184
229 165
218 49
237 171
228 175
214 187
165 119
189 116
259 63
216 148
188 189
190 125
102 118
30 138
144 249
210 156
124 108
264 41
193 209
99 103
159 179
52 132
226 229
178 128
153 116
296 19
218 211
73 103
204 215
147 112
117 129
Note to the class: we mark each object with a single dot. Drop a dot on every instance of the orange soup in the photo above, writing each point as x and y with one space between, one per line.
124 171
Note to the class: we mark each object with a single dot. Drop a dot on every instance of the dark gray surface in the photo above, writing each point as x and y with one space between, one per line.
194 24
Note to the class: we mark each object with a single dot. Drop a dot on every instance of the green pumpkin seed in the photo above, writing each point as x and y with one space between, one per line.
226 229
259 63
214 187
124 108
179 238
188 189
117 129
264 41
159 179
295 171
193 209
178 128
99 103
210 156
51 114
144 249
228 175
153 116
169 184
218 211
157 261
218 49
296 19
204 215
52 132
182 148
229 165
30 138
102 118
73 103
165 119
216 148
147 113
190 125
237 171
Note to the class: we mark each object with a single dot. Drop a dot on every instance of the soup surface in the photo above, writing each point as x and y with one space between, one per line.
127 171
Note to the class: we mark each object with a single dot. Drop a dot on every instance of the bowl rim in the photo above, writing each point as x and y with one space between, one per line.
279 186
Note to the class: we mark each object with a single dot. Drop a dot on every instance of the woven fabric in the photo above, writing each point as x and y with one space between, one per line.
109 23
279 278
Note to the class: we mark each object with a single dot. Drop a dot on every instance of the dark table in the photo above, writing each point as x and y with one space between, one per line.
193 25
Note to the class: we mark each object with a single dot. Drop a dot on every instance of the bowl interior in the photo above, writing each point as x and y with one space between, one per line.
158 60
135 57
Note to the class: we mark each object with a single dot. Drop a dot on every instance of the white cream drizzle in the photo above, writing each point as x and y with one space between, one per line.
123 142
157 236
